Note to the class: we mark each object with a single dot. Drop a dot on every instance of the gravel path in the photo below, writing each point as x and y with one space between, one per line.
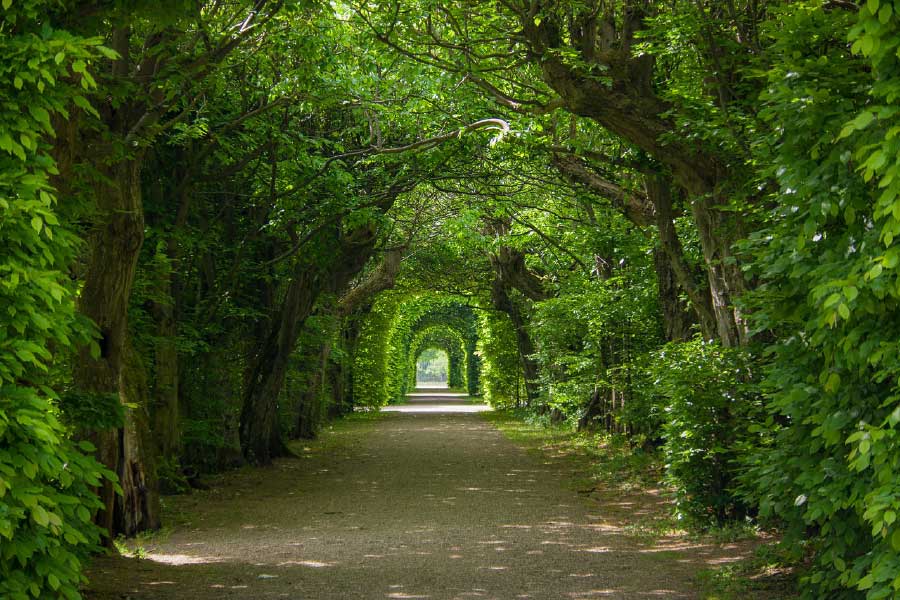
427 501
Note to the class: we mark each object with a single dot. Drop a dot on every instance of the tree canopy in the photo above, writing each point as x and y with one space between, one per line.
223 223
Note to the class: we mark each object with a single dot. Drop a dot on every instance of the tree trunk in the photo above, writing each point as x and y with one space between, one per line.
726 281
660 194
138 508
166 410
115 242
677 316
592 412
525 346
260 435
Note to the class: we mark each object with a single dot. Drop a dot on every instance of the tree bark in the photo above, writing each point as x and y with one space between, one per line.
660 194
503 302
115 243
678 318
138 508
636 208
381 278
260 435
509 263
726 281
166 414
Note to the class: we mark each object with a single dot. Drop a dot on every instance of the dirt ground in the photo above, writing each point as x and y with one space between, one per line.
428 501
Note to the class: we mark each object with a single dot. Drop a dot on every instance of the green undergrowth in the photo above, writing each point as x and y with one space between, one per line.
604 465
327 440
597 459
143 543
761 577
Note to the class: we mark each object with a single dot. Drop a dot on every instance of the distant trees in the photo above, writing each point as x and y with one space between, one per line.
431 366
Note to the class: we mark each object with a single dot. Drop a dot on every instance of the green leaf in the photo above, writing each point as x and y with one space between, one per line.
108 52
82 103
863 120
83 513
40 515
866 582
844 311
37 224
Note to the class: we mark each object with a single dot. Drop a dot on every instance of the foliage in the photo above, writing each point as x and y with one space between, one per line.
370 368
501 375
295 153
708 402
46 480
829 293
397 329
589 334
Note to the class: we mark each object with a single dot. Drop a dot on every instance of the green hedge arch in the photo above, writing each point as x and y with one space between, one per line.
389 335
446 339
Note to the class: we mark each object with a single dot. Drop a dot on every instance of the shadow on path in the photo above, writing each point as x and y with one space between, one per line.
425 501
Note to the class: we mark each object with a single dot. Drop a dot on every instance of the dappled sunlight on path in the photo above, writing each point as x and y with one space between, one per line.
437 400
414 504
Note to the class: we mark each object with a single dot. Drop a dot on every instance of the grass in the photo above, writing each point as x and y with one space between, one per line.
609 466
600 459
137 545
763 577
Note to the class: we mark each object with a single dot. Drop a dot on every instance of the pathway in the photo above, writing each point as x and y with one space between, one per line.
428 501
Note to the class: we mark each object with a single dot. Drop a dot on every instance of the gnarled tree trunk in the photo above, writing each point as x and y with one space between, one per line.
115 243
660 194
260 435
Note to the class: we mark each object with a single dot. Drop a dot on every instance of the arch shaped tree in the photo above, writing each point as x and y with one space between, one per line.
444 339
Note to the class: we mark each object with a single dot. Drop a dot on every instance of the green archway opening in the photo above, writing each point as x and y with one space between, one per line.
432 368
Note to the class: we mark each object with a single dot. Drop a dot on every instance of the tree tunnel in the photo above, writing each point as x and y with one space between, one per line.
398 328
444 339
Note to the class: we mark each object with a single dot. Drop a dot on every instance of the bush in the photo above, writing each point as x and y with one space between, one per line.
710 401
46 498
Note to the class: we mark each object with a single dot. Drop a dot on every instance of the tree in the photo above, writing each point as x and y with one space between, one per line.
46 480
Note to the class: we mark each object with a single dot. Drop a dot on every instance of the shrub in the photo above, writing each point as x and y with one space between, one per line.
710 400
46 498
